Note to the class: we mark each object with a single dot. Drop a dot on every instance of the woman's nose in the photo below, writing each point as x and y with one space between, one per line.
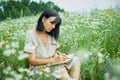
53 26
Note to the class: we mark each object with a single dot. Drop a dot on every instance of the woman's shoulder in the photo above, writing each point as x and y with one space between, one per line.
31 34
31 31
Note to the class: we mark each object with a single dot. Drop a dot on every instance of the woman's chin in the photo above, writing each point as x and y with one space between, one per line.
48 30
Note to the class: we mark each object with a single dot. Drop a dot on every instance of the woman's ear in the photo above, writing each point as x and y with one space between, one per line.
43 19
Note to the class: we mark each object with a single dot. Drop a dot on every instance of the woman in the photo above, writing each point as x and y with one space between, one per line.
41 44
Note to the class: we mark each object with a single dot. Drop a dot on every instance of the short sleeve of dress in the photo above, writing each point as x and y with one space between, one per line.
29 47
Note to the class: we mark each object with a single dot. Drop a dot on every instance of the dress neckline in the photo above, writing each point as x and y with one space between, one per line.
40 41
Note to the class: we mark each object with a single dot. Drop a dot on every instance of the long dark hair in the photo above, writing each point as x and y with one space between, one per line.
50 13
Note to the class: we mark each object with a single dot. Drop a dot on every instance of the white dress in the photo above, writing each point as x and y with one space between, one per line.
33 44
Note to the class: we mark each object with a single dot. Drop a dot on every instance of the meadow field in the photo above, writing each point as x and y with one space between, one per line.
94 37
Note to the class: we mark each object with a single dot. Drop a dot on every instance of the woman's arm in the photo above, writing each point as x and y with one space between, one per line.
35 61
56 58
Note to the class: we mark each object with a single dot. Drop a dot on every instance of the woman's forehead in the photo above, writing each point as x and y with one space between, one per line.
51 18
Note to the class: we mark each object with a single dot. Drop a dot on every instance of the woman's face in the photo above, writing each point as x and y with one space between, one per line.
49 23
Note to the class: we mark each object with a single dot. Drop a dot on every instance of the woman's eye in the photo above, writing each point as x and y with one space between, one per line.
52 22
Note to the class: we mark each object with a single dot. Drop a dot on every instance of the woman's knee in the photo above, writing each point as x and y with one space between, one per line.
78 63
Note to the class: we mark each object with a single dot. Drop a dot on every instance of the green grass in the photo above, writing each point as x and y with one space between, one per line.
93 37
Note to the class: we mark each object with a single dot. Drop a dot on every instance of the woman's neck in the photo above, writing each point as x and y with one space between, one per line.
41 32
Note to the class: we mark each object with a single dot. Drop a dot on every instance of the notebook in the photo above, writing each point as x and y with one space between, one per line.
69 58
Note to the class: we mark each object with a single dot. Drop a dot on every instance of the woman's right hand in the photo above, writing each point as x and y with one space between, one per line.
59 58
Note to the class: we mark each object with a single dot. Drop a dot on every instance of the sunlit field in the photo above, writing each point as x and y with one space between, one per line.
94 37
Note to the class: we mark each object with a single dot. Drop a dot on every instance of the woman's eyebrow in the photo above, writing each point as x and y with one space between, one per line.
53 22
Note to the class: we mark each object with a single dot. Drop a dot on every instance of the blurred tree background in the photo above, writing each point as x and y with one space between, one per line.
20 8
